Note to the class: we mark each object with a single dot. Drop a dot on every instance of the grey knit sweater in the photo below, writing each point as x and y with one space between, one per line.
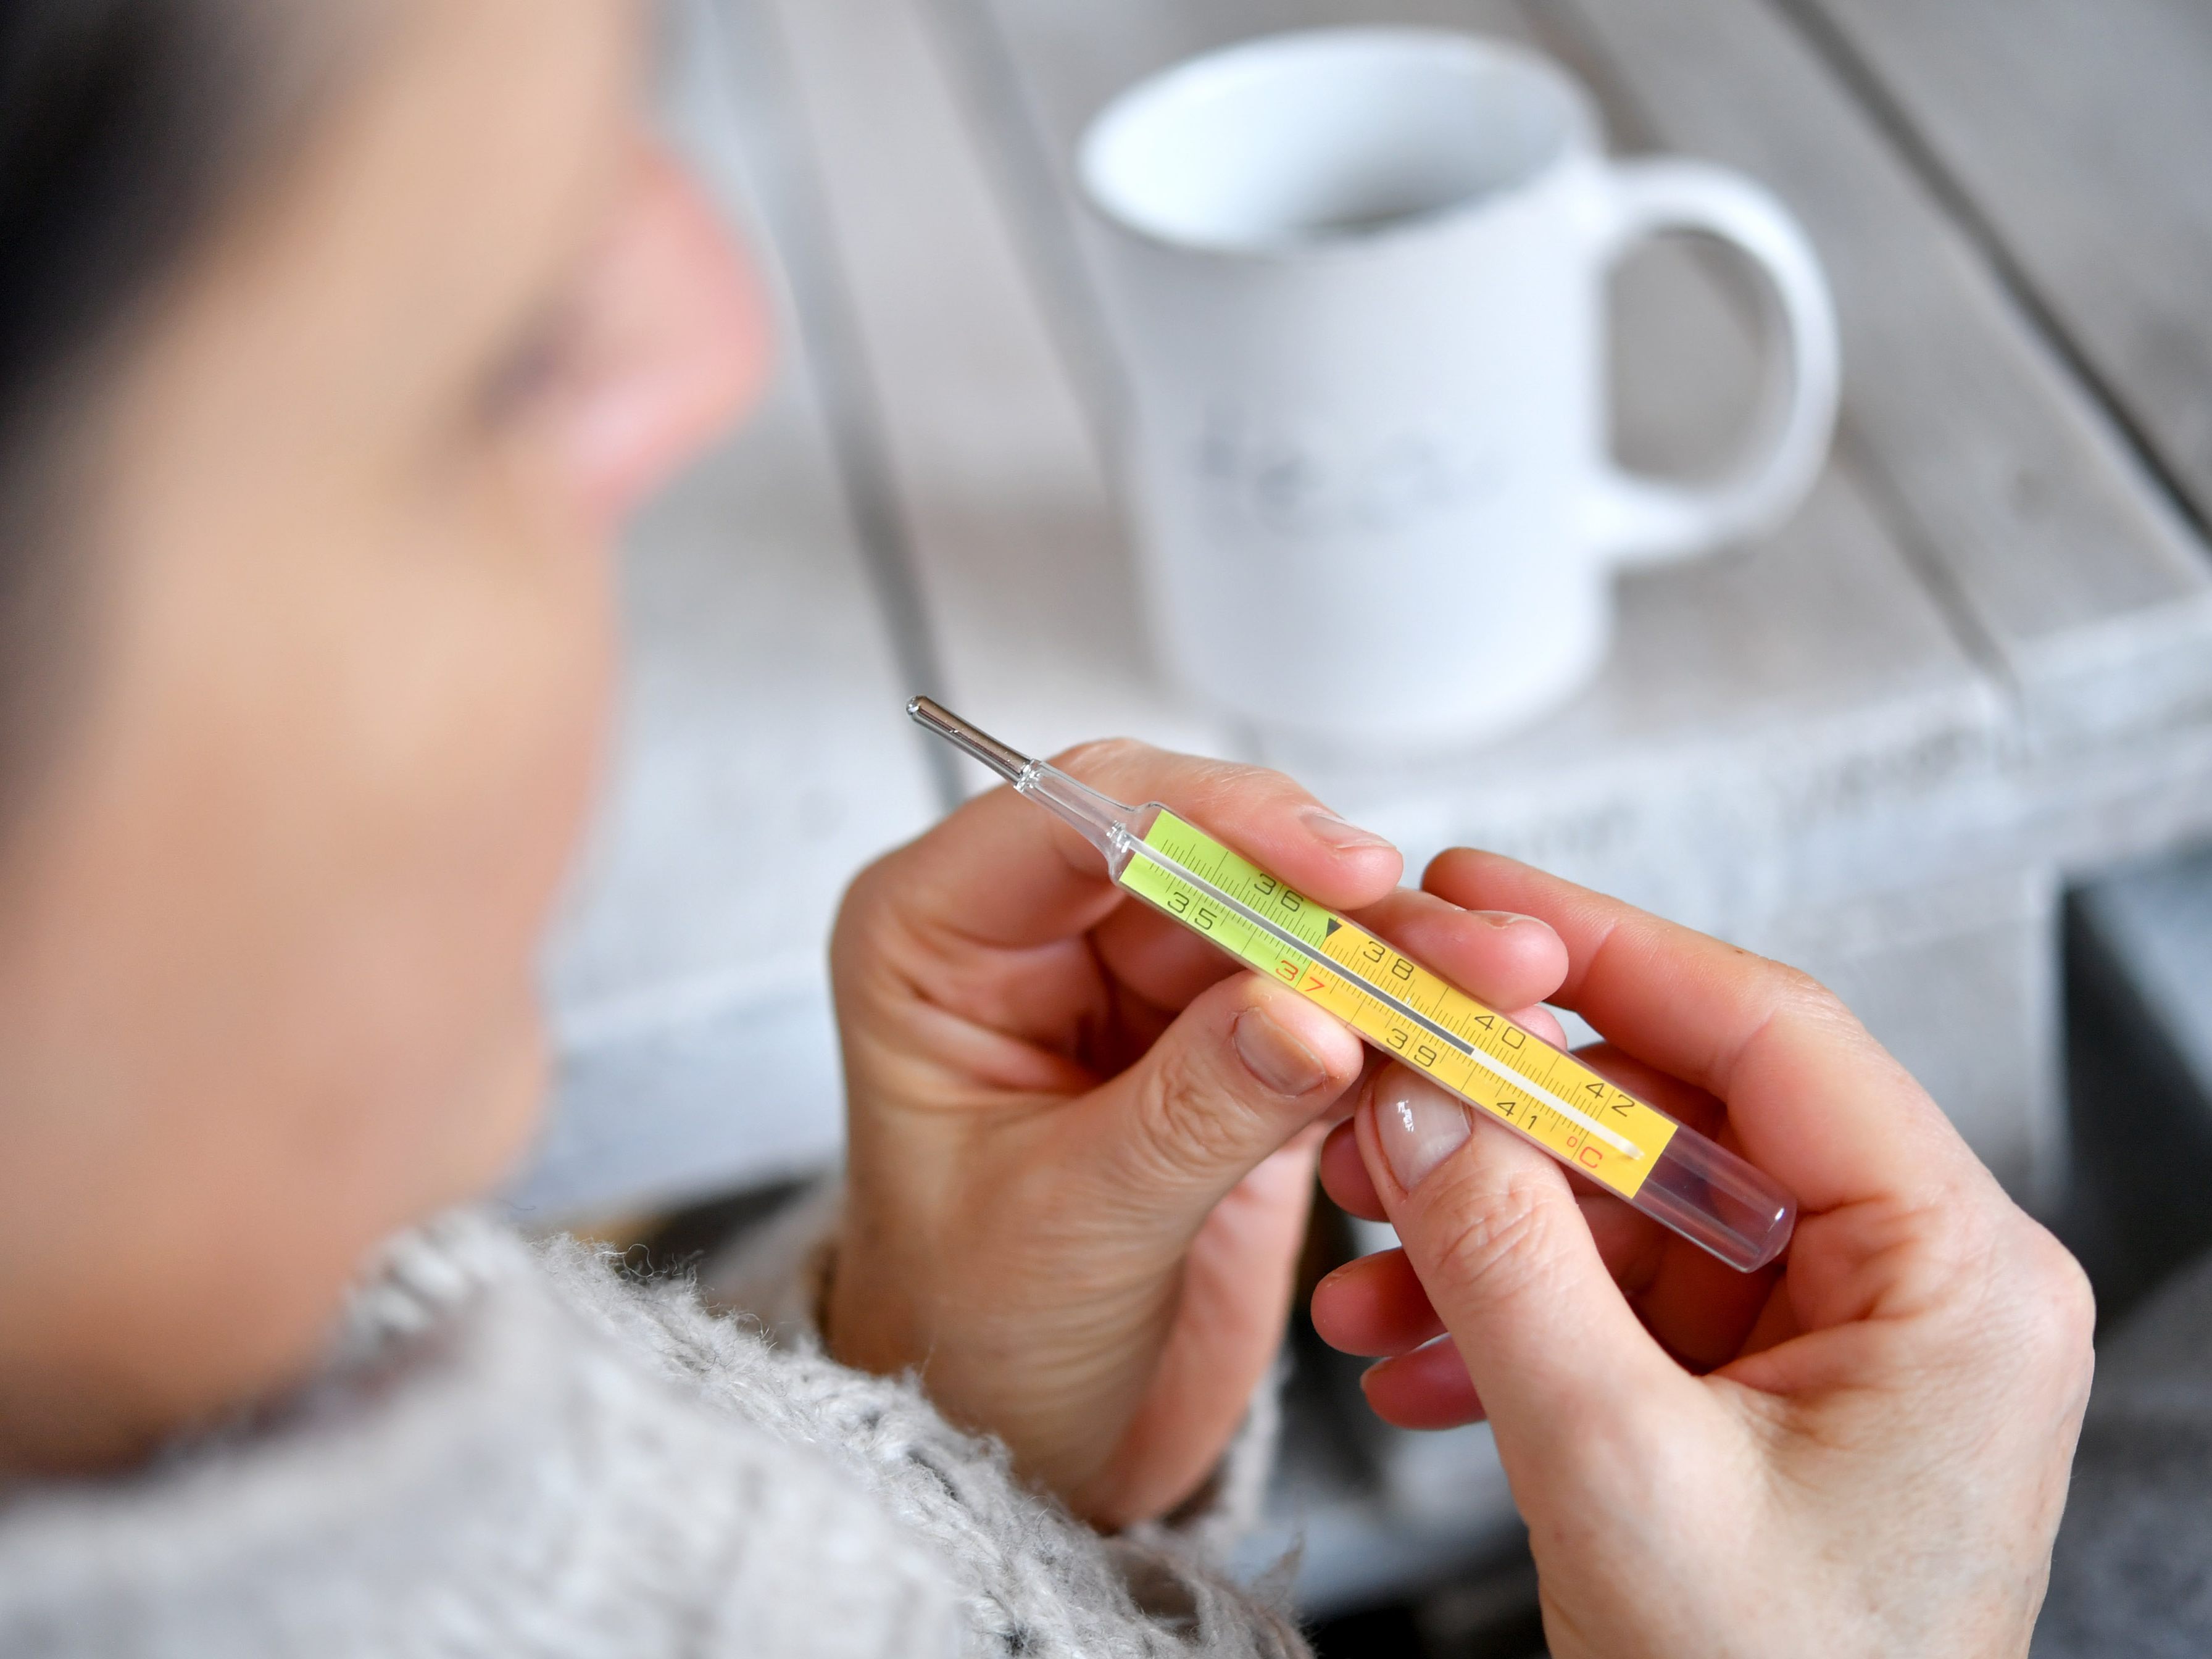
518 1452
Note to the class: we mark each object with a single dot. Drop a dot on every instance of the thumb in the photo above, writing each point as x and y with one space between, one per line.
1499 1243
1247 1066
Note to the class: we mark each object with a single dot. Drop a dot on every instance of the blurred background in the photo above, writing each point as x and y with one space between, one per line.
1945 740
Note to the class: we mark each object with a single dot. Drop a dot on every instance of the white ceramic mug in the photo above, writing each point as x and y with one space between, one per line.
1356 281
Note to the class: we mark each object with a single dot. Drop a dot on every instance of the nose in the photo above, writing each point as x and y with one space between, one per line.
680 341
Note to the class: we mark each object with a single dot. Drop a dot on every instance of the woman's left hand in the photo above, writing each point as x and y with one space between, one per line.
1082 1140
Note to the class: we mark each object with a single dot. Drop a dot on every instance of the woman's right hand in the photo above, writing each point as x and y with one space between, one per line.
1864 1451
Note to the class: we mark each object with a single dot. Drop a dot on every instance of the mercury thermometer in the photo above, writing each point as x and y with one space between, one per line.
1675 1176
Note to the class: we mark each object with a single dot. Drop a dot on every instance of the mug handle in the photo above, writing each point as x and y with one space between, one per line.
1635 519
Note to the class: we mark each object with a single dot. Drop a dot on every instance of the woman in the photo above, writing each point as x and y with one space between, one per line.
335 340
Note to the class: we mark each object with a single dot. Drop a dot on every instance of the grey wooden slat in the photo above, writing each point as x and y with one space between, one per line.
761 759
2079 132
2027 508
998 478
749 67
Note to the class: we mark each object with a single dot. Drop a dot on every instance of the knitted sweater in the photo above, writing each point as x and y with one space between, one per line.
518 1452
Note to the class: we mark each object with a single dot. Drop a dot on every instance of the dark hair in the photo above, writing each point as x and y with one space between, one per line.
124 126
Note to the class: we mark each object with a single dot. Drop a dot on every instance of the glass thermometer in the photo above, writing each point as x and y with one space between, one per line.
1672 1174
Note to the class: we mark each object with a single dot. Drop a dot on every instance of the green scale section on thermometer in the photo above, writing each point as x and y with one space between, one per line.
1392 1000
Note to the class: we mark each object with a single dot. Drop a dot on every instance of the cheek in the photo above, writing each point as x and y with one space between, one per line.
266 983
502 753
483 747
394 816
476 752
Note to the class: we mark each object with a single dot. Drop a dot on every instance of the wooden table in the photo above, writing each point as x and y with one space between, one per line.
1977 665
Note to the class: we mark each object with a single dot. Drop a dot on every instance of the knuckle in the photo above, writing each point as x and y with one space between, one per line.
1104 758
874 938
1192 1124
1810 1005
1807 997
2035 1304
1492 1245
2078 1308
861 903
1140 766
2064 1307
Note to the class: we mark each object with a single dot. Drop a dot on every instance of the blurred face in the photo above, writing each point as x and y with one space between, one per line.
268 924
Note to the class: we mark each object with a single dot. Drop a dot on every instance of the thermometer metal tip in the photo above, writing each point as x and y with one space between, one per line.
1008 763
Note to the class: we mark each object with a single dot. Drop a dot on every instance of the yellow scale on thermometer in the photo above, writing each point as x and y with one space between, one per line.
1671 1173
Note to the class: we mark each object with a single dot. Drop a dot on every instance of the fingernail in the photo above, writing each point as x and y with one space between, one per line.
1419 1124
1502 919
1274 1056
1344 837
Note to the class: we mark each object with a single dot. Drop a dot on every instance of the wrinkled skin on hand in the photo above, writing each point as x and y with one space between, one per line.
1862 1450
1082 1139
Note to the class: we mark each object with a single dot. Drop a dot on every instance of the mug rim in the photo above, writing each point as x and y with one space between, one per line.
1582 138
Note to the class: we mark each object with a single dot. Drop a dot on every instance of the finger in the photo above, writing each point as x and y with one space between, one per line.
1816 1103
1377 1305
1004 871
1701 1308
1684 1102
1506 960
1491 1227
1344 1173
1777 1322
1235 1294
1240 1072
1162 961
1540 1022
1374 1306
1427 1388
